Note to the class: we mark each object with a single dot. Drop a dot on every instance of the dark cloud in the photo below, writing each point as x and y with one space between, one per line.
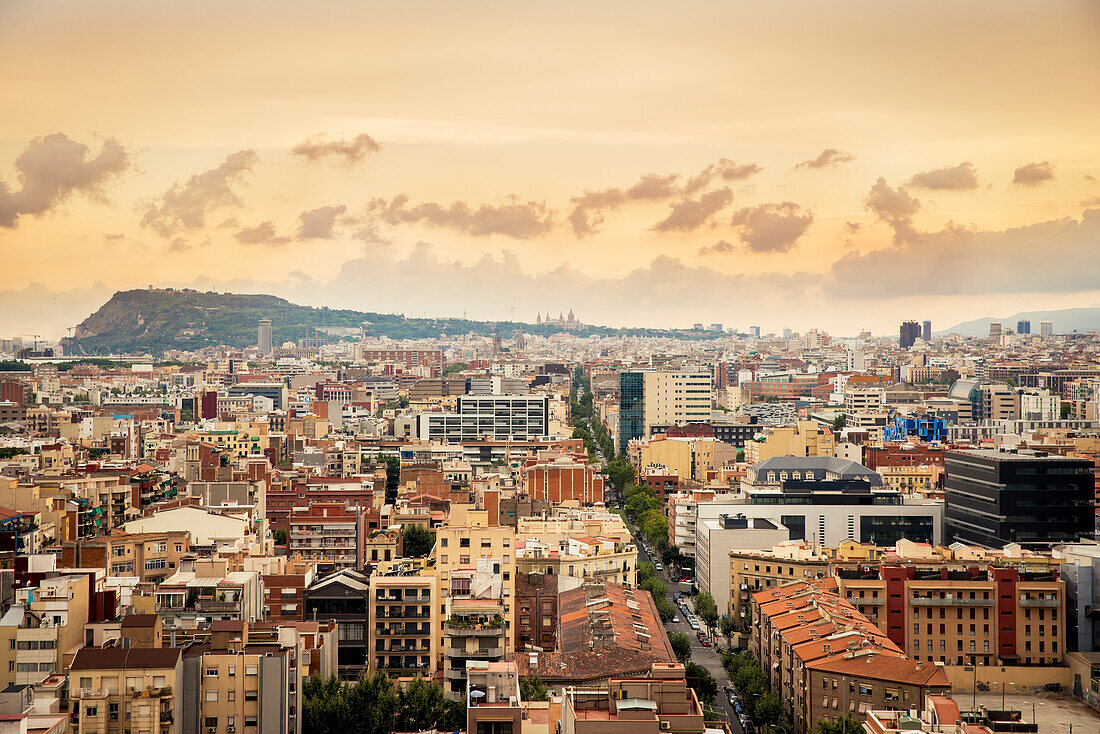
351 151
723 168
1033 174
588 209
518 219
690 214
54 167
827 158
893 206
185 205
721 247
773 227
262 234
958 260
852 227
948 178
318 223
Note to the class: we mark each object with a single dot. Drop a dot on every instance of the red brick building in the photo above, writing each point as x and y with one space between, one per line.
564 479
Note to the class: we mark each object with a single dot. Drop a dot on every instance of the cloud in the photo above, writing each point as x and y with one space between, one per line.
959 260
893 206
852 227
773 227
588 208
262 234
948 178
185 205
724 169
721 247
1033 174
352 151
690 214
830 157
318 223
54 167
518 219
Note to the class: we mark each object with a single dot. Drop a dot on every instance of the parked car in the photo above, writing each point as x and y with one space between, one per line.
675 619
694 624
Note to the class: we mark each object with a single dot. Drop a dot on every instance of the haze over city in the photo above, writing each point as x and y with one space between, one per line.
840 166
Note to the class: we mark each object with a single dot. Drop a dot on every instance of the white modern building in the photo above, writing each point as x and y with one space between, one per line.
496 417
715 538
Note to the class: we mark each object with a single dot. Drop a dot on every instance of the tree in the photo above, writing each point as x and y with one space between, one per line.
839 421
768 709
619 474
423 705
655 527
1065 411
700 679
728 625
707 609
531 688
846 724
740 454
417 541
280 537
681 646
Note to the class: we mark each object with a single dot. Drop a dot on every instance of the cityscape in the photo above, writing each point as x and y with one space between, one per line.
521 368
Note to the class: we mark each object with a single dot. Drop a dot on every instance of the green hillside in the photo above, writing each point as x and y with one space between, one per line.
154 321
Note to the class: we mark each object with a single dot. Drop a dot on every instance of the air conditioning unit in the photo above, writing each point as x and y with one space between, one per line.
666 725
211 730
231 729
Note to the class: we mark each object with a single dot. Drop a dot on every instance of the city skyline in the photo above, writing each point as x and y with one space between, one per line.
730 164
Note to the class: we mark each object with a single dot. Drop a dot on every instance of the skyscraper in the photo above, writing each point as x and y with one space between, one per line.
1046 329
657 399
926 331
910 330
754 331
995 331
1023 327
263 336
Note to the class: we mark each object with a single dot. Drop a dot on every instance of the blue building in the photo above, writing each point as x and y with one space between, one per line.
902 428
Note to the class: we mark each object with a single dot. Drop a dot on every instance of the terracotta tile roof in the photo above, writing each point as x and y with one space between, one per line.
890 668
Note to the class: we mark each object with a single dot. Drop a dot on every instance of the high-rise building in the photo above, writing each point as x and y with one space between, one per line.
926 331
996 497
1023 327
910 330
263 336
654 399
787 333
1046 329
995 331
754 331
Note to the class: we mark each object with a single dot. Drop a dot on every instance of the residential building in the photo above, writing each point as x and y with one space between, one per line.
995 497
403 625
205 590
152 556
714 541
330 533
115 689
458 549
564 479
345 598
660 701
805 438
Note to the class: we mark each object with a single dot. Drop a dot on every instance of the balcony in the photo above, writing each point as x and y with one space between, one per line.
950 602
1047 603
90 694
203 605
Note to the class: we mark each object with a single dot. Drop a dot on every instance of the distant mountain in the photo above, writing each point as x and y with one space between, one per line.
1065 321
154 321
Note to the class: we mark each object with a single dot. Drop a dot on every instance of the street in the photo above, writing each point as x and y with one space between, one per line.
706 656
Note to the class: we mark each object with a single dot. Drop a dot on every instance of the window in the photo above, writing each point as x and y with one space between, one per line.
91 711
211 695
251 669
211 672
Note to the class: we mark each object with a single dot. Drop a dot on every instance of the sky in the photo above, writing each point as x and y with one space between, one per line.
841 166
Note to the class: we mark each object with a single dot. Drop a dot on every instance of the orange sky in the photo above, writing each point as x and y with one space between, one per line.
443 150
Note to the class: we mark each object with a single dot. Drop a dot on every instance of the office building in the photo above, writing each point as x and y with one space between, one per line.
496 417
995 331
716 538
754 332
653 400
926 331
1046 329
263 336
409 359
910 331
995 497
1023 327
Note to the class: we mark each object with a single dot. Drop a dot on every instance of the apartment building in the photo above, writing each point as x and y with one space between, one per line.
49 621
204 590
345 598
403 625
330 533
806 438
456 554
606 558
689 457
233 684
114 690
960 613
717 537
474 632
150 557
284 587
653 400
825 659
922 479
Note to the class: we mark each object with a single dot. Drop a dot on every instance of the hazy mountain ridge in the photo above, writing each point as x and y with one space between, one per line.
1065 321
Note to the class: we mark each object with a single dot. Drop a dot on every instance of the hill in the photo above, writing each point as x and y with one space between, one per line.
1065 321
154 321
